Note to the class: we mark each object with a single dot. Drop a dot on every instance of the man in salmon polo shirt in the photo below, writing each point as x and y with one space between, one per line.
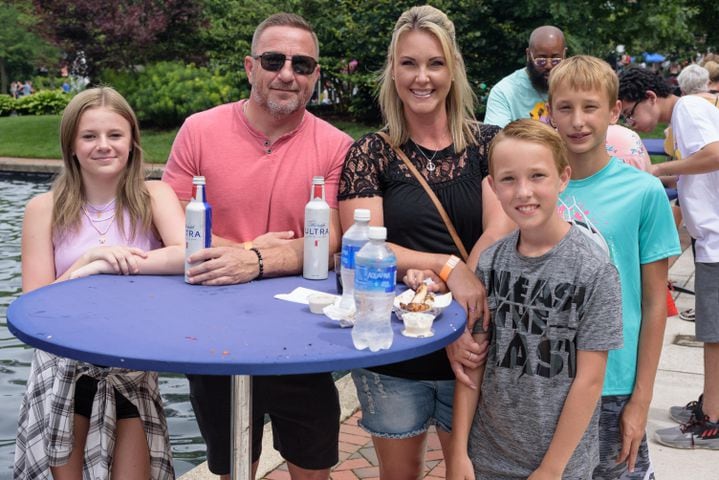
258 157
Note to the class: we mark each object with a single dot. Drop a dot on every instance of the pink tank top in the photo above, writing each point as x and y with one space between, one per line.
72 245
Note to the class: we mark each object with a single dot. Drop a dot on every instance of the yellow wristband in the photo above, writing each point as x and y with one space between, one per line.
448 267
247 245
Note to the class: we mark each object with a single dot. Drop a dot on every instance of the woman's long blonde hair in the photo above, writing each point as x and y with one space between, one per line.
460 100
68 190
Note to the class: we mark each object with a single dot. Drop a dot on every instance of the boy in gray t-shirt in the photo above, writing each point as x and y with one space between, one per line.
555 303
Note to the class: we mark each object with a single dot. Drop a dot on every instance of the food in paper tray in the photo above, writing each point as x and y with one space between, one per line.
421 301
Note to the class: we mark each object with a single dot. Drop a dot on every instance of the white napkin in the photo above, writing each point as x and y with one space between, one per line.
345 317
300 295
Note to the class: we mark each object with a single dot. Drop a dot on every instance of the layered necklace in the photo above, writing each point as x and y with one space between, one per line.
99 215
430 161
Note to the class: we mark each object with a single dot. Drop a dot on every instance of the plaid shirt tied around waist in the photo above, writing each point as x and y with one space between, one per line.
45 427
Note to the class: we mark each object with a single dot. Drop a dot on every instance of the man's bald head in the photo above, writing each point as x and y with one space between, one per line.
546 49
546 33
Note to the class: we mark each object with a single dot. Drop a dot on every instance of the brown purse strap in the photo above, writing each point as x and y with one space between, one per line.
440 209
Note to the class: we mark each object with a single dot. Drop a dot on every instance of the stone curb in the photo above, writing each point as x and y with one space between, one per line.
53 166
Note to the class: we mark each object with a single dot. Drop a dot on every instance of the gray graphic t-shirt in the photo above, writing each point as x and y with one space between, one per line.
543 310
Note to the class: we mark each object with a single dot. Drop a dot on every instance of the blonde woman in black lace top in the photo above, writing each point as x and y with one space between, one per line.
428 107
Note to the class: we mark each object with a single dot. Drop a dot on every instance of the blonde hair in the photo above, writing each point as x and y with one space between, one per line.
713 69
584 73
460 100
68 190
532 131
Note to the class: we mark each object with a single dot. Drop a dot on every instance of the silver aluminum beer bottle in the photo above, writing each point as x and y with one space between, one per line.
317 233
198 221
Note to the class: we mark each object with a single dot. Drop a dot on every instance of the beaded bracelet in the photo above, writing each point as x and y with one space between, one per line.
260 262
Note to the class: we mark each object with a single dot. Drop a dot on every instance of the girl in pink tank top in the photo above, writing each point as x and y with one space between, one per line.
100 217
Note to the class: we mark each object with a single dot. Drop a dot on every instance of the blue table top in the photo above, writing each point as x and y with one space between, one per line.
161 323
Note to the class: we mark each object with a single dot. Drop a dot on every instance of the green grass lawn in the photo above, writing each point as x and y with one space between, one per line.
658 132
39 137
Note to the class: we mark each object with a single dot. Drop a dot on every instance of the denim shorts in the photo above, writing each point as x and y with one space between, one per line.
399 408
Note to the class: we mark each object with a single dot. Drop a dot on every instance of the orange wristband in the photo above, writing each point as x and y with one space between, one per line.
448 267
247 245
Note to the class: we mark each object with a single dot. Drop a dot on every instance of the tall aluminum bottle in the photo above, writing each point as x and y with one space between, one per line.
198 221
317 233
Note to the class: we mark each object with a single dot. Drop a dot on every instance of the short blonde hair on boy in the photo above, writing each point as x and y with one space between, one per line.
532 131
584 73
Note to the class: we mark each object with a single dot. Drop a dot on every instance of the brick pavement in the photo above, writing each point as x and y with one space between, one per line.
358 459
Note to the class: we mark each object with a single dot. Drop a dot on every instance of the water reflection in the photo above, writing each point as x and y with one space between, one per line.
188 448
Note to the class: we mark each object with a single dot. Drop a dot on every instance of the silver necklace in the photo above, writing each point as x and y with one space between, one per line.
430 161
98 211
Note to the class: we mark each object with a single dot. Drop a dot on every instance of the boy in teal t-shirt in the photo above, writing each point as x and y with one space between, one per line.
627 212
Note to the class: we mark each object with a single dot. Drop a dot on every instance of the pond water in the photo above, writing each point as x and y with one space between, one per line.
188 447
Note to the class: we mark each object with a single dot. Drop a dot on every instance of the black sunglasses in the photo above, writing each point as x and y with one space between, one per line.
273 62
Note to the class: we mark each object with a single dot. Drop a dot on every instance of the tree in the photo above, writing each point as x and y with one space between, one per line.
121 34
20 48
493 34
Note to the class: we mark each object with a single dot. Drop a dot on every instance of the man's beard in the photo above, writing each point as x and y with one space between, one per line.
277 110
536 76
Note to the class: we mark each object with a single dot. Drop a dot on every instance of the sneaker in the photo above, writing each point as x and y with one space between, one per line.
687 314
695 434
684 414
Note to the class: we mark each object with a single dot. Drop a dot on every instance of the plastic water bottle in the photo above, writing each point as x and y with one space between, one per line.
198 221
375 280
317 233
354 238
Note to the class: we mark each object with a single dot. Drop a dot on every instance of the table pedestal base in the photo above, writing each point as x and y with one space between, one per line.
241 427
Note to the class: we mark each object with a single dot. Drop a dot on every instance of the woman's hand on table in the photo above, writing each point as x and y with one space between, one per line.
414 278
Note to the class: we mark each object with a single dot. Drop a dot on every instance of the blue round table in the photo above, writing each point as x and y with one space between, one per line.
160 323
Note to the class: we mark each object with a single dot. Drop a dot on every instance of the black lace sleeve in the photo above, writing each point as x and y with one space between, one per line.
364 164
485 135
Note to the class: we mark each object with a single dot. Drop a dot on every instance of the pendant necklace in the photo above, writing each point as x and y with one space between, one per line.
102 234
430 161
98 211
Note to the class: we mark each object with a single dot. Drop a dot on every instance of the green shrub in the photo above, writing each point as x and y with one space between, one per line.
363 103
7 105
46 82
165 93
44 102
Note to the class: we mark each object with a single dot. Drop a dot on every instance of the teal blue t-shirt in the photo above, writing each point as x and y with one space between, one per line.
515 97
626 210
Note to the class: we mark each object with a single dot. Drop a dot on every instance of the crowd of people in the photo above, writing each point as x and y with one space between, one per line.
19 89
560 260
